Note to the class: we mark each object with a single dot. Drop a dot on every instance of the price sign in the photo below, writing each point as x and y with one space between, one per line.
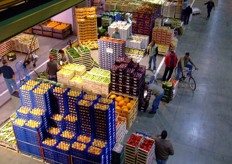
109 50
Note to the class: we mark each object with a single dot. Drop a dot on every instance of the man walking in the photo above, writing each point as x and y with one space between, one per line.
210 6
158 92
153 52
163 148
170 63
9 77
52 68
187 12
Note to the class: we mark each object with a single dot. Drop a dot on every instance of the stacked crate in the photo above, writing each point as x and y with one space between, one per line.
168 92
162 35
104 123
146 151
109 49
131 148
85 114
128 77
28 136
5 47
86 24
60 100
42 98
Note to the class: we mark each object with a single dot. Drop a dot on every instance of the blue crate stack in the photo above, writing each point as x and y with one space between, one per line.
85 114
29 139
60 102
26 97
43 101
72 103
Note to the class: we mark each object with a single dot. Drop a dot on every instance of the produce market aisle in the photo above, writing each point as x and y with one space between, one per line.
199 124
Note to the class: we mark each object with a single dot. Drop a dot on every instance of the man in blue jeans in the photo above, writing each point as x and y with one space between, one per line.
153 52
184 63
9 77
158 92
163 148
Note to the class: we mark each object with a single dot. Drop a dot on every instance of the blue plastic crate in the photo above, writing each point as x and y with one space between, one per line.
72 126
78 153
35 150
77 160
21 115
62 156
49 152
34 135
96 158
19 132
22 146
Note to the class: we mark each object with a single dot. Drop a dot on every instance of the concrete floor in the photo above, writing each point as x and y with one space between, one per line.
199 123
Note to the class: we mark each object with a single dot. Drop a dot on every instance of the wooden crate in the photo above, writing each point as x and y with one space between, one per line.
131 116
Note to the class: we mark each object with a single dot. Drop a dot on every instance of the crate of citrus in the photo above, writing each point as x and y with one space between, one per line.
62 152
126 106
49 146
39 115
18 127
78 149
23 112
95 154
61 28
34 131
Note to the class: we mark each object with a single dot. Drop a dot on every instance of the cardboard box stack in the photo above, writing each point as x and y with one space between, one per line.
109 49
125 29
163 36
86 24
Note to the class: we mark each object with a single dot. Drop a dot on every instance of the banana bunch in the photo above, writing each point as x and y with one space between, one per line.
32 82
71 118
79 146
67 134
20 122
57 117
37 112
98 143
83 139
105 101
45 86
90 97
58 90
49 142
24 110
26 87
101 106
74 93
85 103
54 130
39 91
94 150
33 124
63 146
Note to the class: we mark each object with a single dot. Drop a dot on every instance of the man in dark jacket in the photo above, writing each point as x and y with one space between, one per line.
52 68
9 77
163 148
187 12
210 6
170 63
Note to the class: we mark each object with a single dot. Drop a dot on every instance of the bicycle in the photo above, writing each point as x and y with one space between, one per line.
187 74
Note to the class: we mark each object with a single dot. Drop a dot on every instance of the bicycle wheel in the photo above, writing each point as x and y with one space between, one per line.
192 83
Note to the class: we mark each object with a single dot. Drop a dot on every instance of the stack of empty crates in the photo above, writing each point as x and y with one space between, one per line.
86 24
109 49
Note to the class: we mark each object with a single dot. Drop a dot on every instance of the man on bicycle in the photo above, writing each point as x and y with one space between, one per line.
183 63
